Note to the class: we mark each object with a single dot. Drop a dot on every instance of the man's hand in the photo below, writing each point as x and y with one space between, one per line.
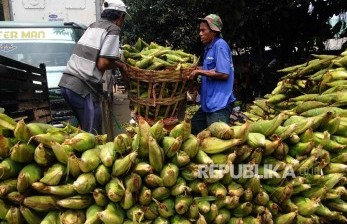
193 75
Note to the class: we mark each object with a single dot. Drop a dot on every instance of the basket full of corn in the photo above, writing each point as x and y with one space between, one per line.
156 81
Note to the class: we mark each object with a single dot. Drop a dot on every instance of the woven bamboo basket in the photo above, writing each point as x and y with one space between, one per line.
158 94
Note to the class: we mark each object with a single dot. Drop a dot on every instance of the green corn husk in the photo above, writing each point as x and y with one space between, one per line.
89 160
157 130
285 132
330 180
145 196
7 122
256 139
191 146
30 216
133 182
262 198
23 153
156 154
107 154
15 197
153 180
5 145
28 175
151 211
235 220
123 165
171 145
243 210
85 183
7 186
212 214
135 213
213 145
73 217
271 146
204 206
285 218
122 143
217 189
82 142
38 128
102 174
219 158
315 192
176 219
181 159
115 190
166 209
21 131
169 174
75 202
340 158
337 205
180 187
267 216
100 197
306 206
301 148
65 190
193 211
92 214
289 206
61 152
279 194
201 219
235 189
267 127
161 220
247 195
54 174
48 138
43 156
160 193
182 204
9 168
258 209
52 217
335 168
73 165
221 130
41 203
143 136
223 216
324 211
300 188
202 158
14 216
4 208
143 168
183 129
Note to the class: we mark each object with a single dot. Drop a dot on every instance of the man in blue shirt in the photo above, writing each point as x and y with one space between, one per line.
217 76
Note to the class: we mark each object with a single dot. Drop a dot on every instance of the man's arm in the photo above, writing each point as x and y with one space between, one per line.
208 73
104 64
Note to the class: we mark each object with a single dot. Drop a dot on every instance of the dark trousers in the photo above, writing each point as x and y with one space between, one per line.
87 112
202 120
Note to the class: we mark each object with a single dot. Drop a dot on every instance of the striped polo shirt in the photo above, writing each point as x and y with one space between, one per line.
101 39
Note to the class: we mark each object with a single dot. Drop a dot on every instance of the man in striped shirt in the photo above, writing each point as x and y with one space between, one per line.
96 52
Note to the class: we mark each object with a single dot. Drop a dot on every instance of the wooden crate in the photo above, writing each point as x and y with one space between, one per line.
24 91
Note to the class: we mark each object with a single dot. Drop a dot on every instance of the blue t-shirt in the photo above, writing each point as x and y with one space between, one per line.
216 94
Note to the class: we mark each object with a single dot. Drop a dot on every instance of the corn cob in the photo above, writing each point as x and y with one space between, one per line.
72 217
100 197
156 154
123 165
107 154
115 190
91 214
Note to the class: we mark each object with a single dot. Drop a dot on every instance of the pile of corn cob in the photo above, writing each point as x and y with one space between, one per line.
156 57
64 175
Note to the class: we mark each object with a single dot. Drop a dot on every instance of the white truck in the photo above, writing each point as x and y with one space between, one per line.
77 11
46 31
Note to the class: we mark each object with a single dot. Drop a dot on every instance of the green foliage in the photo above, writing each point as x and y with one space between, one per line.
287 26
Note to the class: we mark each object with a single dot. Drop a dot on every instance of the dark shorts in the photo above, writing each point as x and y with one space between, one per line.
87 112
201 120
